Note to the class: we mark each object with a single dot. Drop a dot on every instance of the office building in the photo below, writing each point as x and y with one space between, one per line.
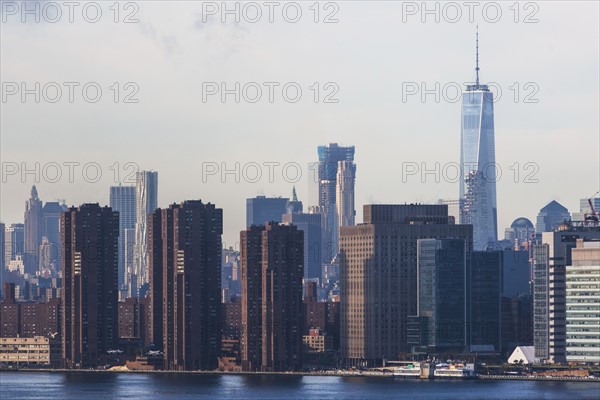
272 269
478 162
122 200
310 224
484 304
261 209
14 242
33 231
550 217
585 210
378 275
90 292
441 321
520 234
51 212
583 303
550 258
185 287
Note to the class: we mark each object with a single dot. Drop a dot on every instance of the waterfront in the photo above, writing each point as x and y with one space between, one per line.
77 385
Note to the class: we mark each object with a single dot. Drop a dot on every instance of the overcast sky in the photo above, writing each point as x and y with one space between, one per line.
377 52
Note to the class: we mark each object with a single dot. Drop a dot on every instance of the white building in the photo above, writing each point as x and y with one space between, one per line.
583 303
523 355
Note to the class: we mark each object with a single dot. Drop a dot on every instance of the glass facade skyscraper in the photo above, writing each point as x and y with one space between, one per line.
478 163
146 201
122 199
329 157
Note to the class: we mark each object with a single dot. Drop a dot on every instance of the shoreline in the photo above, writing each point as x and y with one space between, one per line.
364 374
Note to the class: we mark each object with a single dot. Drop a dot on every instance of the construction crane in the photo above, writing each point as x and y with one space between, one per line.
593 215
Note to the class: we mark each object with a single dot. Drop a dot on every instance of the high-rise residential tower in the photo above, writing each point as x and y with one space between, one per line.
329 158
344 196
122 199
146 201
90 293
185 286
477 161
34 220
272 270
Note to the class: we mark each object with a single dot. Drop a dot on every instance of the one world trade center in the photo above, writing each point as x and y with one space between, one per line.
478 162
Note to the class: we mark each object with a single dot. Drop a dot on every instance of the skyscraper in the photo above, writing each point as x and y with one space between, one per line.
51 230
378 275
478 162
344 197
2 247
441 305
122 199
550 217
90 292
146 201
550 258
329 157
261 209
185 287
310 224
583 303
33 231
484 292
585 210
272 270
14 239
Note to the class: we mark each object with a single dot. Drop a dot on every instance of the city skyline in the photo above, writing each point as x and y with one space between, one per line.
380 111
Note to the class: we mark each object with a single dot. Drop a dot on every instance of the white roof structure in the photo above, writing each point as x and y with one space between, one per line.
523 353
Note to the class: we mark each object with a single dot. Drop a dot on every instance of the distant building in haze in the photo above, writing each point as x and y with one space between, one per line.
34 220
263 209
329 158
550 217
122 199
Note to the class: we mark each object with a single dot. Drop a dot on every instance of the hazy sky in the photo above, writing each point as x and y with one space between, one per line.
374 54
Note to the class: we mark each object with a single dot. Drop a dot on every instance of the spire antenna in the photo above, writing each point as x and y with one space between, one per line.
477 55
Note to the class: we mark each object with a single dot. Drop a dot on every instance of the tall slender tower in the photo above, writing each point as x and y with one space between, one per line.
344 197
478 162
33 230
122 199
146 200
329 157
